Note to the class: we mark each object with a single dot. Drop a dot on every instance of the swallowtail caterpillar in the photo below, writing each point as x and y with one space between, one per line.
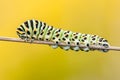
32 30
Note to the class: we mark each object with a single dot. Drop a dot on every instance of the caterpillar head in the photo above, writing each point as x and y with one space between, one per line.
21 33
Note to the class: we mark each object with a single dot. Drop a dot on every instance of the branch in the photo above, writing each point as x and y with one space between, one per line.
50 43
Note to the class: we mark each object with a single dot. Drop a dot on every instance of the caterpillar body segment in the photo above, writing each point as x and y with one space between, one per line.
42 31
75 39
56 37
84 39
32 30
37 28
66 35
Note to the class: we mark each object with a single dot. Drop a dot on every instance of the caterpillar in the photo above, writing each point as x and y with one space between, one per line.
31 30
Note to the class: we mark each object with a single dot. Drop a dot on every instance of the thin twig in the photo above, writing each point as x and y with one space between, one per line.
10 39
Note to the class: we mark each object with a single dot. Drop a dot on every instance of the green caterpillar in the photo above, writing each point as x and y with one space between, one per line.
32 30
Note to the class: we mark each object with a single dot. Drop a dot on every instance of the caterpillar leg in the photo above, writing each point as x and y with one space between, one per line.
76 48
56 44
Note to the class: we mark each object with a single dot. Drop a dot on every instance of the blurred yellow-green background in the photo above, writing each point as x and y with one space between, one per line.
20 61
